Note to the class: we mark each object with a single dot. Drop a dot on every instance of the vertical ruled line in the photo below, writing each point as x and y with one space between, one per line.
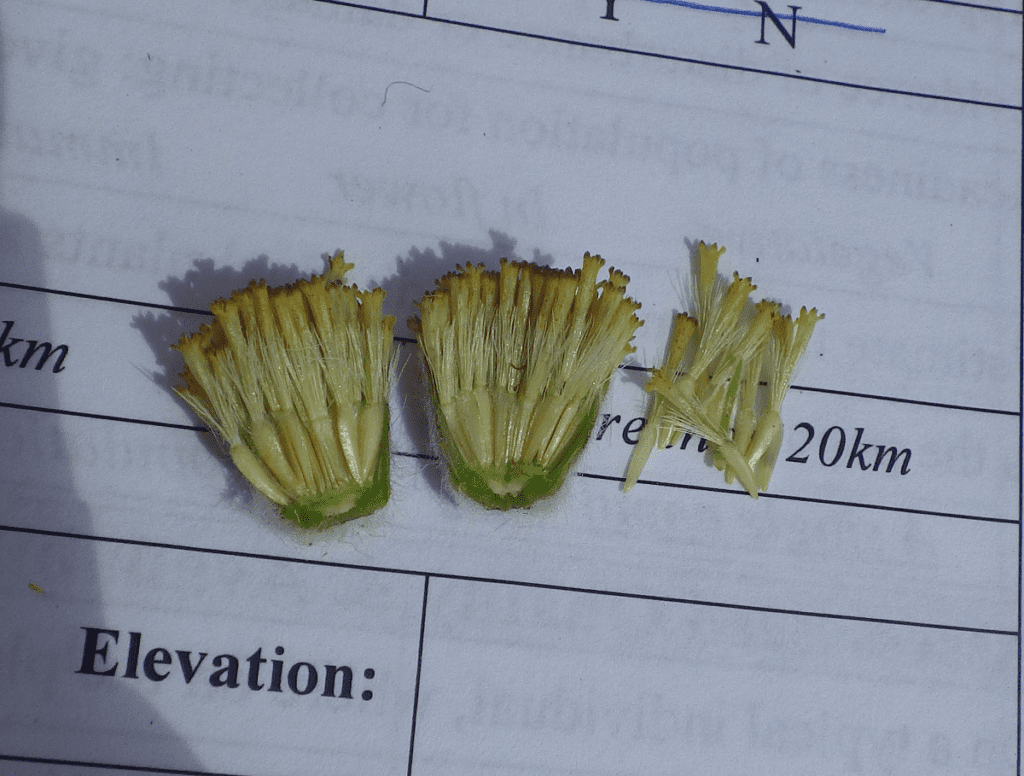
424 9
1020 490
1020 487
419 658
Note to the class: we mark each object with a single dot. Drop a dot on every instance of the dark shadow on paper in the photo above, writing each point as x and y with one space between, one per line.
418 270
54 579
191 296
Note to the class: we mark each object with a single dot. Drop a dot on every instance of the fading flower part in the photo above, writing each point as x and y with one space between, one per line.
655 431
710 383
788 343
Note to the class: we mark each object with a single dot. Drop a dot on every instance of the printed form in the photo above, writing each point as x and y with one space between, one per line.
861 617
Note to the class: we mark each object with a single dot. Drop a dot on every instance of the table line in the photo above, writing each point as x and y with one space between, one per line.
509 582
676 58
410 341
419 666
589 475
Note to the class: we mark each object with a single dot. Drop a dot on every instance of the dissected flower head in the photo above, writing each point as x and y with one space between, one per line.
295 379
518 361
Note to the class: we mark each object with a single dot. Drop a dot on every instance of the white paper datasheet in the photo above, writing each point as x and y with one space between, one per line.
861 617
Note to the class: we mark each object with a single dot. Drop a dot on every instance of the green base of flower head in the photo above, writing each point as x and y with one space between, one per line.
344 504
515 485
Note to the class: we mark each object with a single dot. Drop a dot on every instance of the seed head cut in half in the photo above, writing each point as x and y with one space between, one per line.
295 380
518 361
710 383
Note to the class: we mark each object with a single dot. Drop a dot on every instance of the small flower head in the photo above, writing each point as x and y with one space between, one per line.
295 380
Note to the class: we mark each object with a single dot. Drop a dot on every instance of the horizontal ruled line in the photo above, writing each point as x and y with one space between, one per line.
804 499
976 6
509 582
97 416
420 456
411 341
680 59
846 25
100 298
746 12
724 66
877 397
110 766
608 477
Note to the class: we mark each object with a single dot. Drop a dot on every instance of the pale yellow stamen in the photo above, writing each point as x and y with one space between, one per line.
709 384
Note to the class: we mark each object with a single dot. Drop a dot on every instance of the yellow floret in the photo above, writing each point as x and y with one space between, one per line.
709 384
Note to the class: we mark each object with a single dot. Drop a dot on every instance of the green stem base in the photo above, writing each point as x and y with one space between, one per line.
516 485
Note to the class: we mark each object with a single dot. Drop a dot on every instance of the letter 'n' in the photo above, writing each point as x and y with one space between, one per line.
346 681
767 12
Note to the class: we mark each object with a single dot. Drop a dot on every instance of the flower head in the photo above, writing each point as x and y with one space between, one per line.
518 361
295 380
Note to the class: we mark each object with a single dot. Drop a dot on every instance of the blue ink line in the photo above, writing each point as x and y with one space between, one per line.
808 19
701 7
844 25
